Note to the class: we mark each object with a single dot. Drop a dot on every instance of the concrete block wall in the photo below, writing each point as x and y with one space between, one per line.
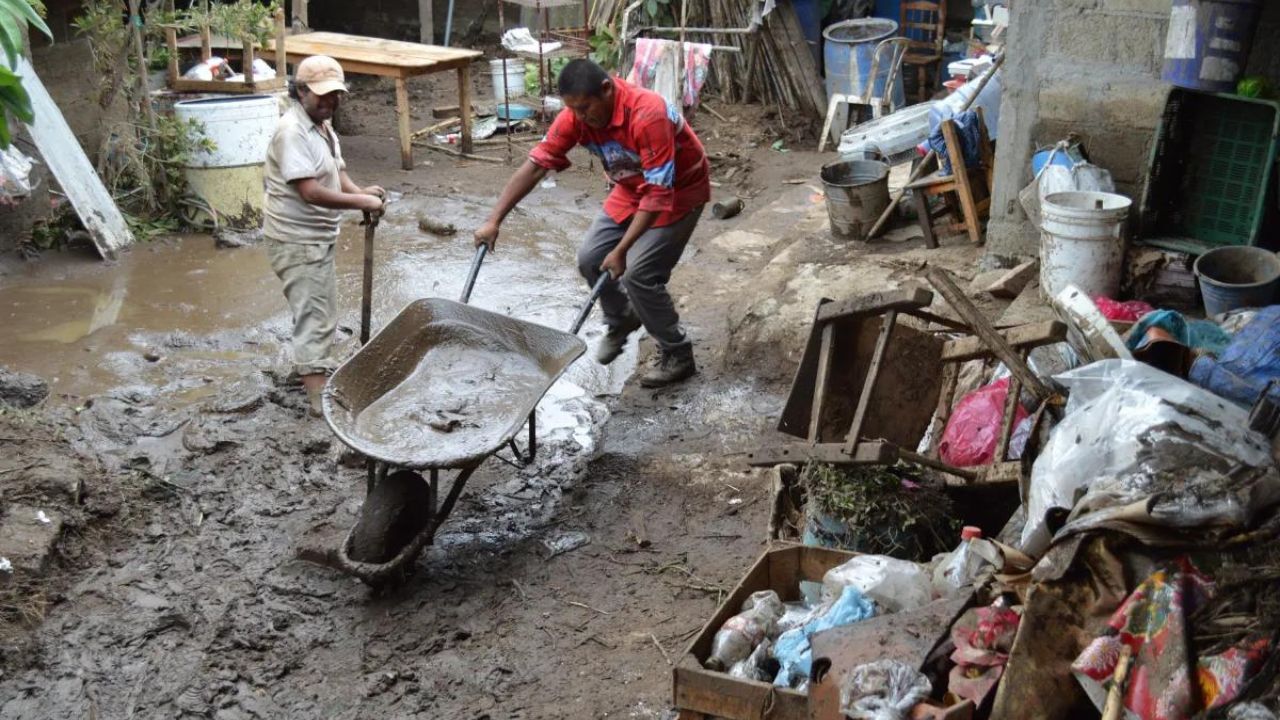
1091 67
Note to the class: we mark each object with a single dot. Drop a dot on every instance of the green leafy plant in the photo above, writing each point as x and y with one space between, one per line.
15 15
236 20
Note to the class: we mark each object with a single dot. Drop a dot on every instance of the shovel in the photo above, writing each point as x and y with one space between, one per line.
370 224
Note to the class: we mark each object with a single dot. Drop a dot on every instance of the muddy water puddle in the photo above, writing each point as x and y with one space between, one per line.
182 316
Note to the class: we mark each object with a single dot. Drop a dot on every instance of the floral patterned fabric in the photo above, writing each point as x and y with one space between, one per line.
1152 622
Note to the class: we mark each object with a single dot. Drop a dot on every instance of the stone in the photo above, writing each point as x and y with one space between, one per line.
28 538
21 390
983 280
1011 283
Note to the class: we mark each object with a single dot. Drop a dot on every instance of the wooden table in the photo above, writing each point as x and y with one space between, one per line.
393 59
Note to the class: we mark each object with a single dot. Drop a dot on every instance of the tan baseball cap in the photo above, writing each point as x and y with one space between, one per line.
321 73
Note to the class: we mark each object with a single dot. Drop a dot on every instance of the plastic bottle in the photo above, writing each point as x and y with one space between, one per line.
968 562
741 633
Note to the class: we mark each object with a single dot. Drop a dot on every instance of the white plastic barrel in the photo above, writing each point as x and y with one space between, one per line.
1082 242
229 177
515 79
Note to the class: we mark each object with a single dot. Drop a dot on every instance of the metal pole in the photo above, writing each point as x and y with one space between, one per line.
448 21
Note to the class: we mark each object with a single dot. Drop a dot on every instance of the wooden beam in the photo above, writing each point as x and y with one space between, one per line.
911 297
864 453
1023 336
464 101
942 282
426 22
402 122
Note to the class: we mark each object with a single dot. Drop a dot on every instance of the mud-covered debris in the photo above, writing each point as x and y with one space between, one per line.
230 238
240 397
21 390
28 537
435 227
152 356
566 542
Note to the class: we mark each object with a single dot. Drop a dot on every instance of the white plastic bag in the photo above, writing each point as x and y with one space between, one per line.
893 584
1128 424
15 175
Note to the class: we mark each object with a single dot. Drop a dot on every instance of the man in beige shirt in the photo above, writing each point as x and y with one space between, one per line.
307 190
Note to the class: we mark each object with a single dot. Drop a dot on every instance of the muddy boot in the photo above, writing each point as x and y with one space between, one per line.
314 385
674 366
615 341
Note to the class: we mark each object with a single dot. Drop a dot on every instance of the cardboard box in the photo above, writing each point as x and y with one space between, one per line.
699 691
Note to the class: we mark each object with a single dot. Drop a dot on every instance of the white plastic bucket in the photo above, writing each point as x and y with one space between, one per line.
515 79
1082 242
240 128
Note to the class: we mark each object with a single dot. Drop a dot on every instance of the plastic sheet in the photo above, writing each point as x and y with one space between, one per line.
973 430
894 585
1201 335
1134 434
883 690
1243 369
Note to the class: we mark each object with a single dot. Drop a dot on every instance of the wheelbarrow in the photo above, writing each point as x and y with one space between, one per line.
442 387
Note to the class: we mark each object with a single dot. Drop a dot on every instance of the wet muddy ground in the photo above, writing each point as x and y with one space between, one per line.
181 594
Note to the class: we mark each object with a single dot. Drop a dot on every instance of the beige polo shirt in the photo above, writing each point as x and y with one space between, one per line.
301 149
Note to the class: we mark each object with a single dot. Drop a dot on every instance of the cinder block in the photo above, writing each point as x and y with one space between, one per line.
1133 44
1135 105
1064 100
1152 8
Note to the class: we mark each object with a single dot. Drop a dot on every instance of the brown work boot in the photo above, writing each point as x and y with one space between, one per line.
615 340
672 367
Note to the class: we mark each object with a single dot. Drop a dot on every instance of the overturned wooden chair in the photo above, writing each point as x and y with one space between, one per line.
965 191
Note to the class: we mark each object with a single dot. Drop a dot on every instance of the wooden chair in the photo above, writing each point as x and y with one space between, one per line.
966 191
924 22
889 53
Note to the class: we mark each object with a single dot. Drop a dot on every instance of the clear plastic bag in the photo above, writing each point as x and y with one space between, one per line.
742 633
893 584
883 690
1130 431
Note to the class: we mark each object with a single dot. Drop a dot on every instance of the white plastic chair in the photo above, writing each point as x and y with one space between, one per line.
890 51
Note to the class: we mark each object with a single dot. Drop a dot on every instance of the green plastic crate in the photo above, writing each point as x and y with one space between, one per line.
1210 172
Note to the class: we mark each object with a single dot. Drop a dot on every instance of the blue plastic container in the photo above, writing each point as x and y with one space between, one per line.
888 9
1208 43
809 14
849 50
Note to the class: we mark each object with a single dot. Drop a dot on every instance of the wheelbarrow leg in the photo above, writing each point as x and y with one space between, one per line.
376 472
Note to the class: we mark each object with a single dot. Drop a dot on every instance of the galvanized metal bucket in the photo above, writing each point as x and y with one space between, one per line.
857 193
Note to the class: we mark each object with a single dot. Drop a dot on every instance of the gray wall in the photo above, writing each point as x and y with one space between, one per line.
1093 67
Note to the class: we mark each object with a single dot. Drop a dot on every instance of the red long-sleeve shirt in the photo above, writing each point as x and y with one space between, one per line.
651 154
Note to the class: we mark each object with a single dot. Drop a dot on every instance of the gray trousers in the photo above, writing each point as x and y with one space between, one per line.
644 285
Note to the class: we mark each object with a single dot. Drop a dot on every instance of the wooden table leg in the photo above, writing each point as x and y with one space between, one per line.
402 116
464 105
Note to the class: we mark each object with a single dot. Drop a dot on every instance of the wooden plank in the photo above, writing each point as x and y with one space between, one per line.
380 51
865 453
71 167
950 376
402 121
942 282
1007 416
820 388
1011 284
426 22
222 86
464 101
910 297
887 323
1023 336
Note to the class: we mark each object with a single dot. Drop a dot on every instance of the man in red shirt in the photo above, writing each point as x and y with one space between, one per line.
661 181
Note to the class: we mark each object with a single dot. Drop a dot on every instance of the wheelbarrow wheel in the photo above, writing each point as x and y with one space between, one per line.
395 511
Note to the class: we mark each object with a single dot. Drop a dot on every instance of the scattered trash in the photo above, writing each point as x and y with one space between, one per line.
778 146
755 666
5 565
740 634
566 542
520 39
883 690
15 175
215 68
726 209
974 558
1122 311
43 518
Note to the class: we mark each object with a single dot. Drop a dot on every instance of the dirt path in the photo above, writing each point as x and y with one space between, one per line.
188 599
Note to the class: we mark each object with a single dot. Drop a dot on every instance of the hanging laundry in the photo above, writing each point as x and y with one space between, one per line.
657 63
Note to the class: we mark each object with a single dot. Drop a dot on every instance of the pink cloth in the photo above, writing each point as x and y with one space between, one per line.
652 54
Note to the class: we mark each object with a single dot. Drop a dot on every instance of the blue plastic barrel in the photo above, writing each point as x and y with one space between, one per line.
849 50
809 14
1208 43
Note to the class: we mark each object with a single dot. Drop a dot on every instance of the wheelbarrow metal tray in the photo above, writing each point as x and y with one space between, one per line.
444 384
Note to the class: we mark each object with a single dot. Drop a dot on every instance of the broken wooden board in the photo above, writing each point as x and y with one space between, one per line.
71 168
908 636
1011 284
